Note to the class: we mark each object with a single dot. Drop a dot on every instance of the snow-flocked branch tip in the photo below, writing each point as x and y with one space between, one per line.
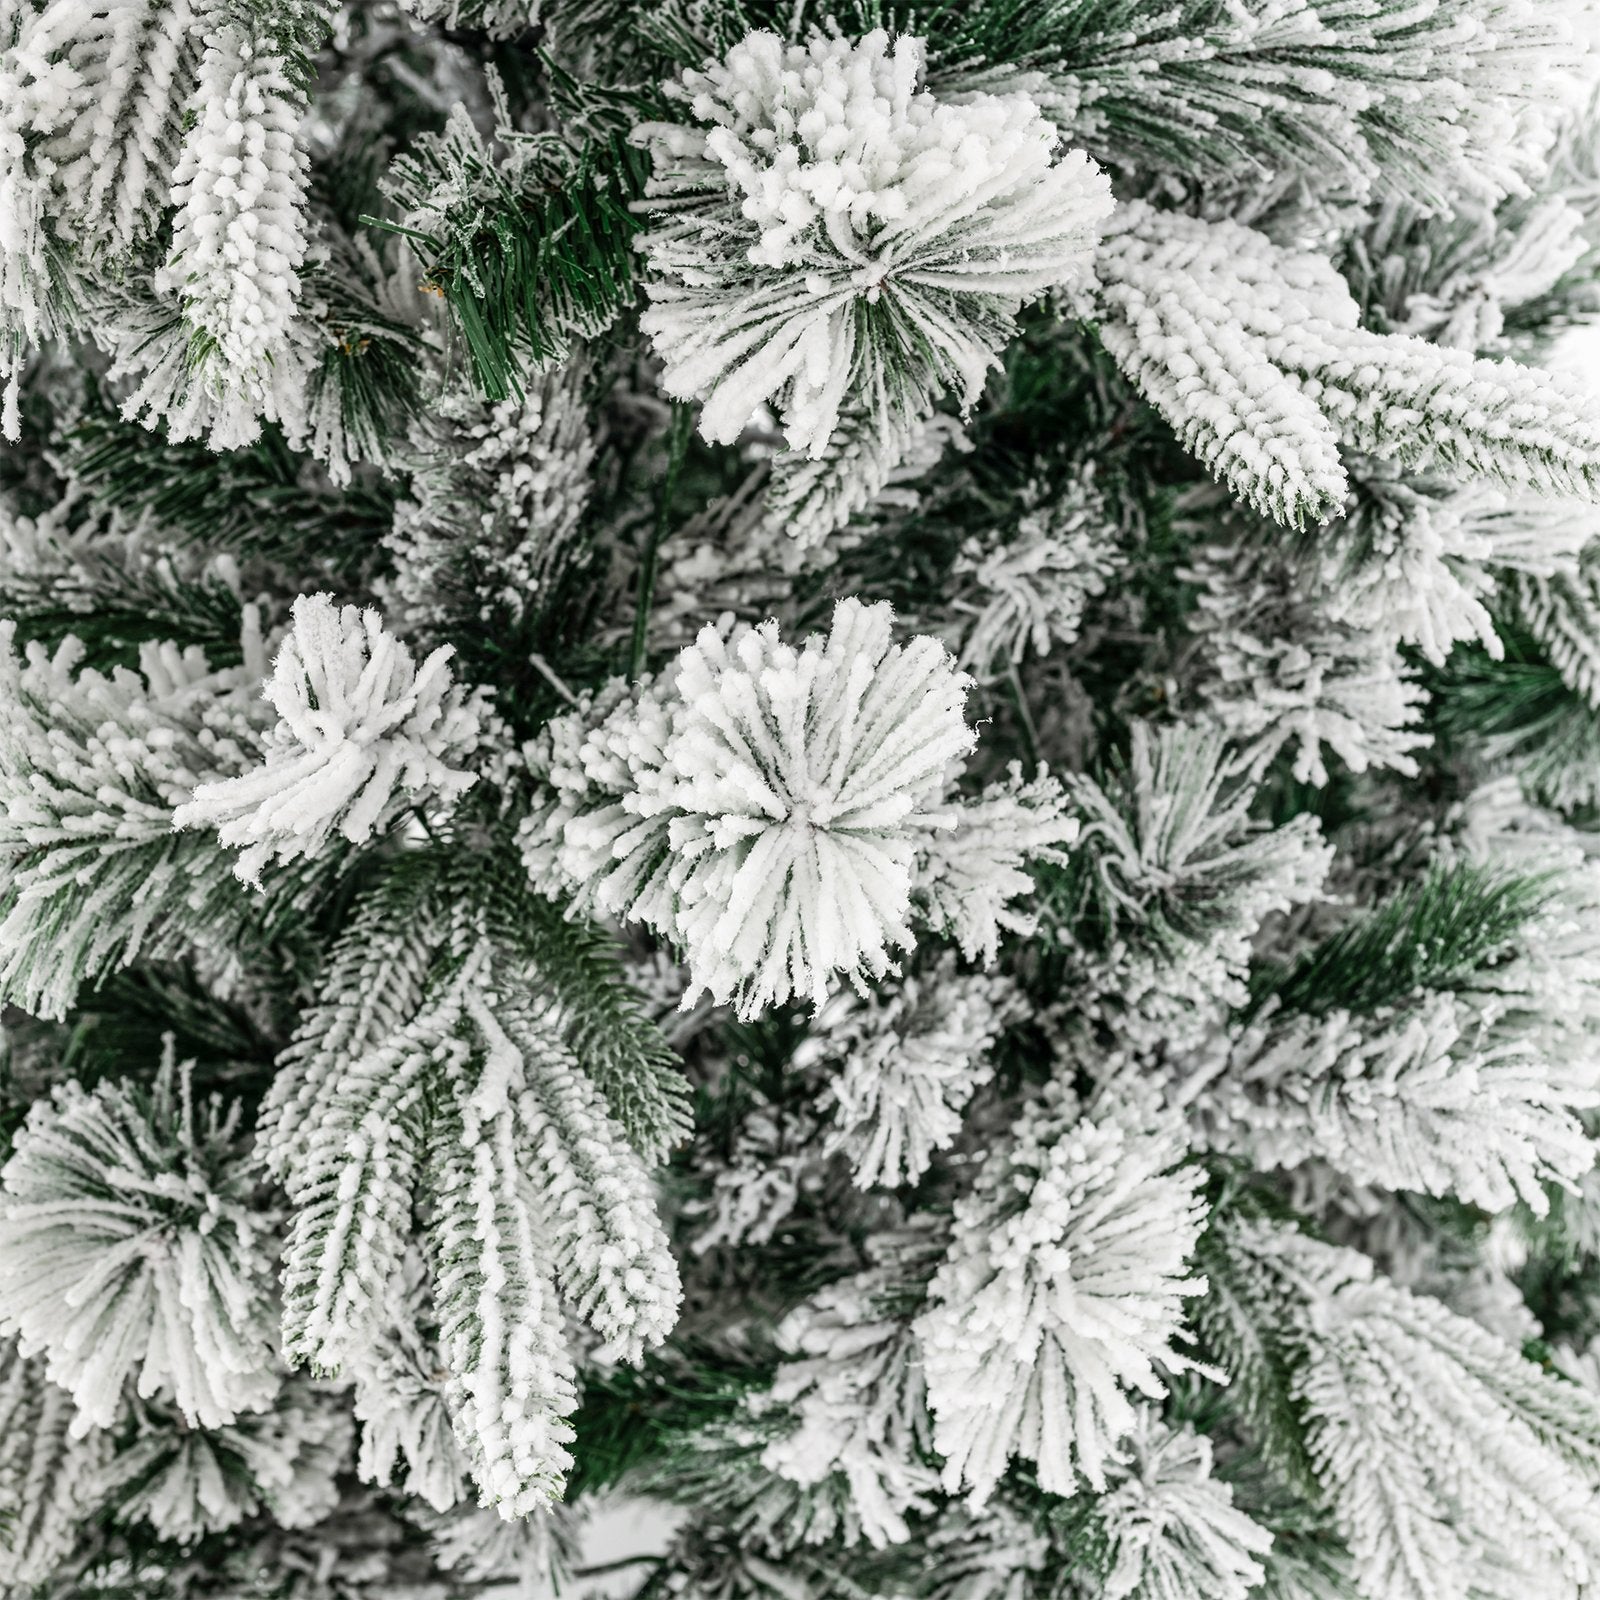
833 233
761 805
1061 1295
130 1247
357 721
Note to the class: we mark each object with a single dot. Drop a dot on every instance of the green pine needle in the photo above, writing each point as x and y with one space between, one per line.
1431 934
1521 712
113 609
625 1054
260 501
632 1421
529 267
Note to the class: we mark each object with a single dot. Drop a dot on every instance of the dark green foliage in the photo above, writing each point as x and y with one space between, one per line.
113 607
369 370
621 1049
1520 709
260 501
1431 934
579 966
677 452
1345 798
1477 697
1560 1277
126 1021
1056 409
557 632
527 260
754 1106
573 964
1078 1537
297 31
587 106
646 1420
28 479
17 1094
1306 1557
756 1071
369 374
157 901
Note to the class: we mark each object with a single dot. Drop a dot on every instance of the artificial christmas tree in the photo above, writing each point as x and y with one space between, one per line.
833 765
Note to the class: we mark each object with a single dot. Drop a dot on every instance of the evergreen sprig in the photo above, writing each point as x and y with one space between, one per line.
1431 934
113 606
131 1015
529 256
1521 710
647 1421
263 500
1241 1334
578 965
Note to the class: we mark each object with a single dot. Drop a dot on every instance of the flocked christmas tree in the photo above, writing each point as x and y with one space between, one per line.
834 764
